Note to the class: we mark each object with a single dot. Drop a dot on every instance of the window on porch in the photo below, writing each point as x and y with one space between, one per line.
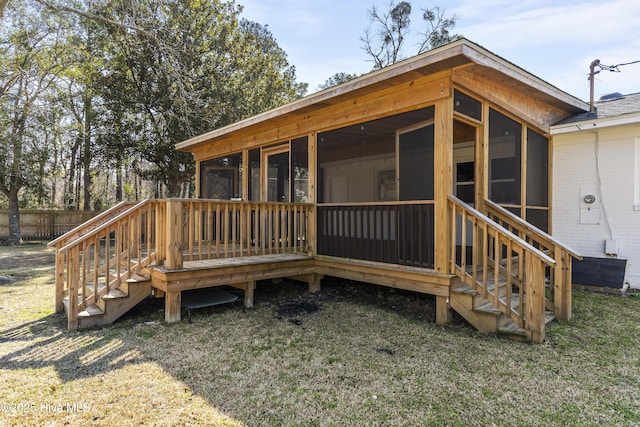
375 190
514 161
221 178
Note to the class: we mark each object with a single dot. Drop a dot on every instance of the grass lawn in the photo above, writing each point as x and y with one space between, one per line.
352 355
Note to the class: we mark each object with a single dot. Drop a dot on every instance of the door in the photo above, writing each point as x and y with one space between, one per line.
464 162
276 176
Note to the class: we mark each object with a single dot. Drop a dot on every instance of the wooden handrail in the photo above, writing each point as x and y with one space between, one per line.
103 226
530 229
492 224
89 223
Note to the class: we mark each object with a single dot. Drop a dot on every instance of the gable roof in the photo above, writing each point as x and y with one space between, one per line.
455 54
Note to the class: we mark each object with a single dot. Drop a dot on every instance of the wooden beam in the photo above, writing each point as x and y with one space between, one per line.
443 179
248 294
444 313
174 234
411 95
418 281
172 306
562 285
59 279
536 113
534 294
313 193
198 180
73 276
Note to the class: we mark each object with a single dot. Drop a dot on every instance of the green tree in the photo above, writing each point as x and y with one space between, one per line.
29 67
337 79
189 67
385 42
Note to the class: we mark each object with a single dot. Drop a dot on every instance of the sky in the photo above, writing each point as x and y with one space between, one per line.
554 40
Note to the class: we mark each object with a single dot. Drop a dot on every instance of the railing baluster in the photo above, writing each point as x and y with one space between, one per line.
73 266
96 260
83 278
509 276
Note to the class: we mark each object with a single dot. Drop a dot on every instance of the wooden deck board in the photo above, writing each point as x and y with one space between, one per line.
230 271
241 261
244 272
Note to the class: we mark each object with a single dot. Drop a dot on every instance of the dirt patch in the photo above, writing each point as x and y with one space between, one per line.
293 311
409 304
7 280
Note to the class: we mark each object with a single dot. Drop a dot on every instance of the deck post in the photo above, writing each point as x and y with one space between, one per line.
534 294
73 277
172 306
248 294
443 178
59 279
314 283
174 235
562 285
443 310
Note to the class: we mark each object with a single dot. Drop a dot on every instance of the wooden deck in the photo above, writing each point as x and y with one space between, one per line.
179 245
244 272
239 272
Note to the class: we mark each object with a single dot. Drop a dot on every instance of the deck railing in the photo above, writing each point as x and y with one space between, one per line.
96 258
559 294
503 267
393 232
206 229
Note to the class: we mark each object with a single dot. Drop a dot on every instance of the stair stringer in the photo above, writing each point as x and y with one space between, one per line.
466 302
114 305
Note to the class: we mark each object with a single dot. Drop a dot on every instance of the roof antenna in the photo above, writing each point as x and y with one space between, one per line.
592 73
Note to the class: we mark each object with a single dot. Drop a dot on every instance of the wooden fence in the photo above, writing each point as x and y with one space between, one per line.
44 224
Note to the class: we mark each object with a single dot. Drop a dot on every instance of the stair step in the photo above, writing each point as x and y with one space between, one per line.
136 278
91 310
116 293
512 328
464 289
488 307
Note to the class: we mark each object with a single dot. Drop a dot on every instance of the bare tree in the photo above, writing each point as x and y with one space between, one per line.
384 44
387 34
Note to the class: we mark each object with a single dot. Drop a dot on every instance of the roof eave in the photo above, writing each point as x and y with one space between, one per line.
462 47
596 124
343 89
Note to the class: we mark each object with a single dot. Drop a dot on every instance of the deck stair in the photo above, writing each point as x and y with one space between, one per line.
483 315
112 305
102 265
512 278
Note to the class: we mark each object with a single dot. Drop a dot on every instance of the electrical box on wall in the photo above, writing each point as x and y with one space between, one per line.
590 212
611 247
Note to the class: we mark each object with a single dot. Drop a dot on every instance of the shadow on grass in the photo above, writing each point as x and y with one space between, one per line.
87 352
74 355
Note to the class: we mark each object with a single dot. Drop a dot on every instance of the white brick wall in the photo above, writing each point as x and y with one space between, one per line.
605 163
